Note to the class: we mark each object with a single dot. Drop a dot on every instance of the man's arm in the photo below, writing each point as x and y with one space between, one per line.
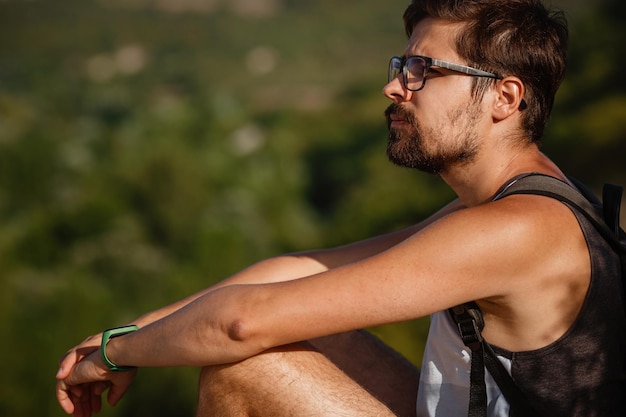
430 271
503 252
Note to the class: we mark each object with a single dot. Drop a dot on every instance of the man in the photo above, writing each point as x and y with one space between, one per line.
470 98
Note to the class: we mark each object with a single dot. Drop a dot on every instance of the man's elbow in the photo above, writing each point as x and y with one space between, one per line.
244 321
237 330
248 335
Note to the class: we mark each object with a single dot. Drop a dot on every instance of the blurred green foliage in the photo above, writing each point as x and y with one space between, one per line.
149 148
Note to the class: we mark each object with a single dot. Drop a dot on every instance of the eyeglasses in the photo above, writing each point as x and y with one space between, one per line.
414 70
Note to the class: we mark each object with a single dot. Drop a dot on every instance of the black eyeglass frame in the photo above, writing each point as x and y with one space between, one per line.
399 65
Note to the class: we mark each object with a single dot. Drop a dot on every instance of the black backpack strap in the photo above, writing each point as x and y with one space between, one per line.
612 199
469 321
611 204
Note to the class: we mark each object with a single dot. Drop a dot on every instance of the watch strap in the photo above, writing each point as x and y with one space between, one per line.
110 334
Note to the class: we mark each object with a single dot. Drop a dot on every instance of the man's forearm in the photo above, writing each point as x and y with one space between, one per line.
198 334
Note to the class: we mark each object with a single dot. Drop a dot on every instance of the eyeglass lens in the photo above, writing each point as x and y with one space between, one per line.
412 71
395 66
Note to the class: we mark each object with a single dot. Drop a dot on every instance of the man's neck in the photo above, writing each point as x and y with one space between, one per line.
478 182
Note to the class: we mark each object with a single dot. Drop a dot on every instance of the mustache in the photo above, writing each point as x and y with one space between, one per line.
398 111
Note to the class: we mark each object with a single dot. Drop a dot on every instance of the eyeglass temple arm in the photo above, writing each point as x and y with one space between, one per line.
462 68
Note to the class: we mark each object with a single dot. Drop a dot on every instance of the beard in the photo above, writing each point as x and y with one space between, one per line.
433 150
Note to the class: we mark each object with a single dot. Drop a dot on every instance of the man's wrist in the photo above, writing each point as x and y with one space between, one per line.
109 334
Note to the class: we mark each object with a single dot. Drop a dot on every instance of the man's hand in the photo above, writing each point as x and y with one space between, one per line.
83 377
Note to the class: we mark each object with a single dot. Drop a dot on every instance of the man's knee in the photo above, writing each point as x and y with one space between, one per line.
217 380
291 380
222 392
259 382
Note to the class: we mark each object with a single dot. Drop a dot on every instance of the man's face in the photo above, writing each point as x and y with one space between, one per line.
439 126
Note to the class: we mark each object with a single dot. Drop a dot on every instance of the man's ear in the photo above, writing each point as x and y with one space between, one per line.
509 98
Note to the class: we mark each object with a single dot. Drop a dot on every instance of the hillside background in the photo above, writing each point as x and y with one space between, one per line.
149 148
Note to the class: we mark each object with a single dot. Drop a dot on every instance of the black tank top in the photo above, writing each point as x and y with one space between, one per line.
583 374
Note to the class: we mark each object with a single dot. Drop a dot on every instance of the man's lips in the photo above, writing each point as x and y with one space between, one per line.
396 119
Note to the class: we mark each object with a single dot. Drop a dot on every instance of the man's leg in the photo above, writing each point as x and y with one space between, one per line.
299 380
383 372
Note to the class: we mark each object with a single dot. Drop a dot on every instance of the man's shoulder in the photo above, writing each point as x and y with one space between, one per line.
519 214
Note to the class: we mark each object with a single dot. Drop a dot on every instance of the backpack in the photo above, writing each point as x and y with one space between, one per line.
604 216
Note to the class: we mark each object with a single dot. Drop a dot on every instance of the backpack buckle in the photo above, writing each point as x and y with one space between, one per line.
469 322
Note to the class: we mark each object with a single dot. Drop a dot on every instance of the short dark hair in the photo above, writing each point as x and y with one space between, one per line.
514 37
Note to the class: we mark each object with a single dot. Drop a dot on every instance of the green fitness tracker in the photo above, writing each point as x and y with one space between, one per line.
110 334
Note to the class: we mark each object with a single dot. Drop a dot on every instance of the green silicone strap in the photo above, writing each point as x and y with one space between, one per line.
110 334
